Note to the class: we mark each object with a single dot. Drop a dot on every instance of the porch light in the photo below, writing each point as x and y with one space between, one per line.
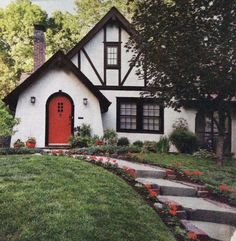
32 99
85 101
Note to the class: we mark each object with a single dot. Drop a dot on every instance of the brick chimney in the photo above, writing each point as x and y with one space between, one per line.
39 46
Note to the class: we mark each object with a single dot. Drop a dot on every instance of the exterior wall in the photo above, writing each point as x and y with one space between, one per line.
95 51
170 116
33 116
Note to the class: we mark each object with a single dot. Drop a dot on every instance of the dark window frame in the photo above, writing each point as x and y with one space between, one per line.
139 116
118 46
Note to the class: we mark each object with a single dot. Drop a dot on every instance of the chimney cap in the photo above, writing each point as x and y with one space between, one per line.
40 27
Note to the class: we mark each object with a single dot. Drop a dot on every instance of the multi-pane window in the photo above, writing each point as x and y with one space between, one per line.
112 55
128 114
139 115
151 117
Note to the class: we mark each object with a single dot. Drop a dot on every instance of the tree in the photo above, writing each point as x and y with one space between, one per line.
91 11
17 22
63 32
189 50
7 121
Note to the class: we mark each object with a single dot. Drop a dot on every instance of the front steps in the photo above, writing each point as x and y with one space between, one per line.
206 219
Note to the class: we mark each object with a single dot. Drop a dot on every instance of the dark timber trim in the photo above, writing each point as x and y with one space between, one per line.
60 60
92 65
59 93
126 88
79 60
139 120
112 15
104 52
130 69
119 77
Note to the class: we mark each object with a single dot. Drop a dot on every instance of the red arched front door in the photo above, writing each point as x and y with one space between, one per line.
59 120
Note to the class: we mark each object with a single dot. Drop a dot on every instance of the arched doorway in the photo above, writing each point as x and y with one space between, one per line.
207 132
60 116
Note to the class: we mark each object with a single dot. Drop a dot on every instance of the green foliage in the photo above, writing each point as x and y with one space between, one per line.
163 145
18 151
91 11
184 140
150 146
204 154
84 130
110 137
80 141
123 141
18 144
64 31
7 121
190 54
16 29
138 143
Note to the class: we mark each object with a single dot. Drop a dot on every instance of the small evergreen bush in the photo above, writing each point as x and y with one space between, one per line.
138 143
110 137
150 146
184 140
123 141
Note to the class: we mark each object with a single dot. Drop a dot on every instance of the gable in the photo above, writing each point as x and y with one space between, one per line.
91 54
60 61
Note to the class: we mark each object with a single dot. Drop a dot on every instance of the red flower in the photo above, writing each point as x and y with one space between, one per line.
224 188
152 193
197 173
192 235
93 158
173 209
187 172
99 143
177 164
148 186
130 171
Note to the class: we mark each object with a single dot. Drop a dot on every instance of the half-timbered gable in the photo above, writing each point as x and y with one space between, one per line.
102 56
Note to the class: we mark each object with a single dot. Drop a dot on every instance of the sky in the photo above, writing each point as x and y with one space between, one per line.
49 5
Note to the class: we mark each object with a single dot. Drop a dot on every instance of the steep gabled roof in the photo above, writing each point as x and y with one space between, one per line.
112 15
58 59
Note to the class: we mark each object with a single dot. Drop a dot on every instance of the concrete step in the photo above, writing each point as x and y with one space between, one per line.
167 187
201 209
142 170
215 231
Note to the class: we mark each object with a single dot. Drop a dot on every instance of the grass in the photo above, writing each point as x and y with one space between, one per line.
212 174
46 198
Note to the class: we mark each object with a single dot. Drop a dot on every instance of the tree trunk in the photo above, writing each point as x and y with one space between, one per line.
220 149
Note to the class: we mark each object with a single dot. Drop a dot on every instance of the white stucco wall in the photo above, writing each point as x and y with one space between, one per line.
170 116
33 116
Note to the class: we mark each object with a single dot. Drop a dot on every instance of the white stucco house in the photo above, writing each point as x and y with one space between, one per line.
96 84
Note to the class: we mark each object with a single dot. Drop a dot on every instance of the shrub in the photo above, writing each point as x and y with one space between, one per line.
150 146
80 141
163 146
184 140
83 130
19 144
204 154
123 141
180 123
138 143
18 151
110 137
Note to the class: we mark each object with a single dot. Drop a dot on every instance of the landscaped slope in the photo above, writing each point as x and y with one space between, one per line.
208 171
45 198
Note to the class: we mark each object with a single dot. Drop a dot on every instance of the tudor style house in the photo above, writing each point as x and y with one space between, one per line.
96 84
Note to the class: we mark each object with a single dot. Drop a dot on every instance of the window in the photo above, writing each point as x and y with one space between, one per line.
207 131
59 107
139 115
112 55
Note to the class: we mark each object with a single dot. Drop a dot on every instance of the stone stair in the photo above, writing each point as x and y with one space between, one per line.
206 219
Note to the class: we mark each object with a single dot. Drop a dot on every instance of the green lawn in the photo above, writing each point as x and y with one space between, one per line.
45 198
211 173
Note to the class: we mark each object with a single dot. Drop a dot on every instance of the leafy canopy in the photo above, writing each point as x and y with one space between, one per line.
189 46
